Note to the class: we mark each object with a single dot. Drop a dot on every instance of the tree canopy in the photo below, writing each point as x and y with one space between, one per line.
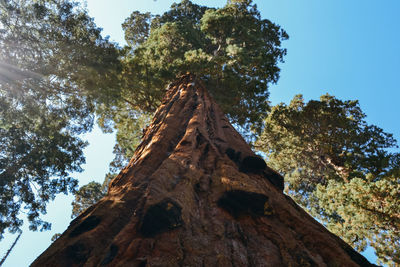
340 168
54 68
231 49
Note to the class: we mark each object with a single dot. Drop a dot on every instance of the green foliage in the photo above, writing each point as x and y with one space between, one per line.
55 237
231 49
338 167
129 124
369 213
88 195
137 28
54 68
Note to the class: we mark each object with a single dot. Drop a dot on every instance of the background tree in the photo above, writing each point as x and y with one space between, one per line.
89 194
338 167
86 196
55 67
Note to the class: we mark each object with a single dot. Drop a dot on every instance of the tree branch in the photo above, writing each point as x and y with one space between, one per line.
11 248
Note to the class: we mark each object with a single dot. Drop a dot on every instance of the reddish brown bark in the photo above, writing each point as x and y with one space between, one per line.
194 194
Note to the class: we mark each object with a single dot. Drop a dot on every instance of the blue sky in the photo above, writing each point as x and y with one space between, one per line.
348 49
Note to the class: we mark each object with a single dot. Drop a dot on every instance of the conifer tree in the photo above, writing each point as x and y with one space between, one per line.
339 168
54 68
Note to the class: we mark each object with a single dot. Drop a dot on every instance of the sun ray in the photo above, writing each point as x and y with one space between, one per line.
10 73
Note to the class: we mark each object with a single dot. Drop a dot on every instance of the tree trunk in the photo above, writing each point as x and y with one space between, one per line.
194 194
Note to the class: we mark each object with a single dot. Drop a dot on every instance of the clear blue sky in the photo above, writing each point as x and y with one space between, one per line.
349 49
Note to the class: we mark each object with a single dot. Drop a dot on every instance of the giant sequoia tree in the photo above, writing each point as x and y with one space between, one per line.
54 68
338 167
195 194
232 49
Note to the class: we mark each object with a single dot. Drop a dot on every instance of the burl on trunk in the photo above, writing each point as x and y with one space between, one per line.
195 194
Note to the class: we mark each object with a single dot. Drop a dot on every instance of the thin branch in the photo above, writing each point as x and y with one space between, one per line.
11 248
130 103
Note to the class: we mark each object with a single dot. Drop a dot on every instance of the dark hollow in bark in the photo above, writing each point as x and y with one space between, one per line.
239 203
233 155
251 164
87 225
275 179
161 217
195 194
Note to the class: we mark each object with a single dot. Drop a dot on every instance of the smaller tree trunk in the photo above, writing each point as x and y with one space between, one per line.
10 249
